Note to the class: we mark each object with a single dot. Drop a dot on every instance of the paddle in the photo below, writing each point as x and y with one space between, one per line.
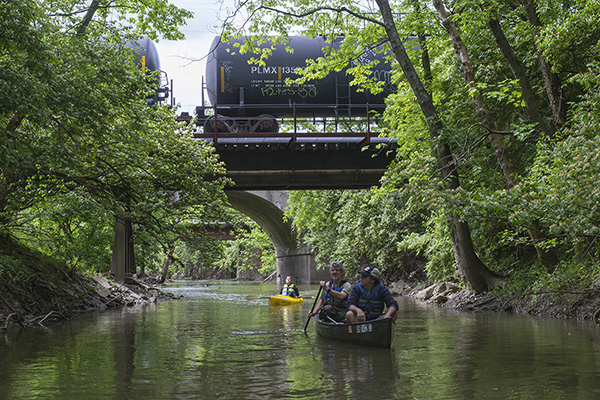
313 307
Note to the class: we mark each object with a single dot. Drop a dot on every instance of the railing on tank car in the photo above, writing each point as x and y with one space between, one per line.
292 136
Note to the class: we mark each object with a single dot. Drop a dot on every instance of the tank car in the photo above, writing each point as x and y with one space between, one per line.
250 97
150 60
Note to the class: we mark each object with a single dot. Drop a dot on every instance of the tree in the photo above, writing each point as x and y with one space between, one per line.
78 123
328 20
485 115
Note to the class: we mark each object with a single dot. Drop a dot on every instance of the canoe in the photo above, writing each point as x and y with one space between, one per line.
374 333
281 300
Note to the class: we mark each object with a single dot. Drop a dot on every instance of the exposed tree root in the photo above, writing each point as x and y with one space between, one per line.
7 320
54 314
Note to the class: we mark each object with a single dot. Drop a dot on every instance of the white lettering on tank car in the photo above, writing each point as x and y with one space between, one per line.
272 70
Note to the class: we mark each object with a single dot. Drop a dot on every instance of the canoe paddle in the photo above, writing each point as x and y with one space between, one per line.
313 307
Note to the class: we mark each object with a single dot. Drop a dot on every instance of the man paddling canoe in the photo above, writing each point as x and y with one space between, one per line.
335 293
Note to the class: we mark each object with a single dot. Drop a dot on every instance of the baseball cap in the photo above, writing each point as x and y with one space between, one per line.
372 272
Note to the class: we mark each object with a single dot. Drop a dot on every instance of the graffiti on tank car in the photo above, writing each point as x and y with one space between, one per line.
227 67
368 56
384 76
302 92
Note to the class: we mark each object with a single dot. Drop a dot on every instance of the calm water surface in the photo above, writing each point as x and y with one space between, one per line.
223 341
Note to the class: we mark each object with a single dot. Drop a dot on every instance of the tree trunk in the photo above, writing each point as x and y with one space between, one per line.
529 97
486 119
94 6
469 265
551 80
165 267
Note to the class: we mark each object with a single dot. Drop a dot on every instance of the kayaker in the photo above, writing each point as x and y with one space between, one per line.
289 289
335 293
369 297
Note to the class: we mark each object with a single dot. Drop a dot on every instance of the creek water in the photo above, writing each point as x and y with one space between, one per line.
223 340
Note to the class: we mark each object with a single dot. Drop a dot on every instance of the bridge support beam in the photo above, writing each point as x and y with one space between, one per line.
123 259
297 263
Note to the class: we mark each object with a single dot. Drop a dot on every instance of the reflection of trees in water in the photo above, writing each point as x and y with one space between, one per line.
357 371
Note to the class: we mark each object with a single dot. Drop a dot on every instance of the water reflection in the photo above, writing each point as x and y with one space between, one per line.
223 340
123 340
356 371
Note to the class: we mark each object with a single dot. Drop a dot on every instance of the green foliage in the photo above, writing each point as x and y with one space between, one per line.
251 248
357 228
70 227
571 38
197 255
536 284
78 143
433 245
12 268
563 186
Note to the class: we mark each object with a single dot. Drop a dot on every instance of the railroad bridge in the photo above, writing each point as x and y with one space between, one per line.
302 161
265 165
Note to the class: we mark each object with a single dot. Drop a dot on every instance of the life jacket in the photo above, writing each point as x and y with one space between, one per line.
371 302
333 301
289 290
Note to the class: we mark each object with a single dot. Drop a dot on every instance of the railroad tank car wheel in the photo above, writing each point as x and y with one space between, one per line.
264 123
224 124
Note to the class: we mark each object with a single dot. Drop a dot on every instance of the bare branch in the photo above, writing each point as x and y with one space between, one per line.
319 9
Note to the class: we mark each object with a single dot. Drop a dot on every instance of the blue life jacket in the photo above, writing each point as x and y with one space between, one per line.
333 301
288 290
371 302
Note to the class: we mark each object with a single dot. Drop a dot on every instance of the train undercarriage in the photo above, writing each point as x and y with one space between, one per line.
224 124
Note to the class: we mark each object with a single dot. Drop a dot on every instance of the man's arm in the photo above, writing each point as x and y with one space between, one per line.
346 287
390 302
353 297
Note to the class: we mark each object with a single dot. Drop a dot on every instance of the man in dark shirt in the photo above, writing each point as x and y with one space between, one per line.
369 297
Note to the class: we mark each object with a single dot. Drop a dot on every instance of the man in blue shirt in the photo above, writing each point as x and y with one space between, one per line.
369 297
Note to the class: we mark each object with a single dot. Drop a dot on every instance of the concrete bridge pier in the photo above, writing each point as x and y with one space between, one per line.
266 208
123 259
297 263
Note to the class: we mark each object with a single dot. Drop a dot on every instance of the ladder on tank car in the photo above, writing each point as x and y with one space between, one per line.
343 99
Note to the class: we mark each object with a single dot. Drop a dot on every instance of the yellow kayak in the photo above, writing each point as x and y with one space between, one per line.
281 300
